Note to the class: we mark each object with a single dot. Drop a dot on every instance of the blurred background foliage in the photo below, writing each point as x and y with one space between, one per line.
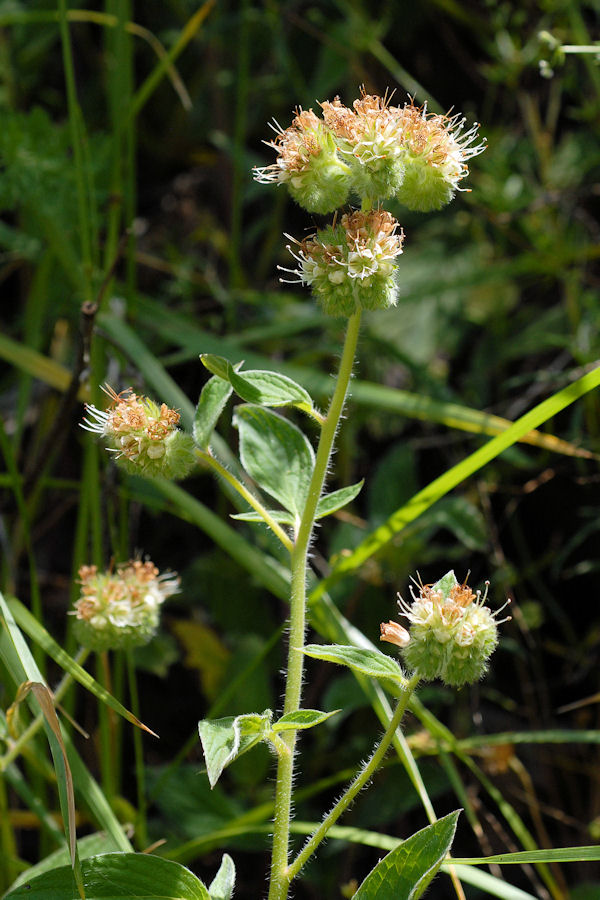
131 187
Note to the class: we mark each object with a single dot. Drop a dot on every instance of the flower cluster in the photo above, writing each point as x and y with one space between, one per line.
370 137
452 635
143 435
436 152
350 265
309 163
121 608
373 150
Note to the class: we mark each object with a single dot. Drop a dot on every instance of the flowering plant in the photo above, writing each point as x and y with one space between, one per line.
373 151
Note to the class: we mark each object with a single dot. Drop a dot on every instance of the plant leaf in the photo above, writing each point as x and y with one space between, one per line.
302 718
269 389
330 503
259 386
276 454
38 633
218 365
367 662
221 887
211 404
278 515
90 845
454 476
113 876
406 872
225 739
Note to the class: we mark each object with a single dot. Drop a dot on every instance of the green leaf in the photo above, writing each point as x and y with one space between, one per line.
213 398
223 740
269 389
330 503
90 845
38 633
302 718
218 365
263 568
278 515
445 583
221 887
454 476
276 454
113 876
407 871
367 662
526 857
259 386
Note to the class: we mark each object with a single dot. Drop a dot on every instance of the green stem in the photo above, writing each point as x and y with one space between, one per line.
359 782
140 772
279 885
214 463
76 129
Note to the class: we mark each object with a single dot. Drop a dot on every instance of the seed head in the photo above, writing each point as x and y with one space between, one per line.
121 608
309 163
436 149
351 264
143 435
453 633
370 137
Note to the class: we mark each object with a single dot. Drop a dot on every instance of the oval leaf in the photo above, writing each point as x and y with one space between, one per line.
406 872
259 385
276 454
211 404
225 739
302 718
269 389
113 876
330 503
367 662
222 885
218 365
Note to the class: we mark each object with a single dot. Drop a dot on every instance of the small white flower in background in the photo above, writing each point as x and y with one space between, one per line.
121 608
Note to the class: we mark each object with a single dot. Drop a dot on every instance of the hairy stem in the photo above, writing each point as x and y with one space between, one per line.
214 463
363 777
279 884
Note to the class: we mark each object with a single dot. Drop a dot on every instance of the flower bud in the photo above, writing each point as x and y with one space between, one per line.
394 634
435 153
370 137
350 265
308 162
121 609
143 436
453 633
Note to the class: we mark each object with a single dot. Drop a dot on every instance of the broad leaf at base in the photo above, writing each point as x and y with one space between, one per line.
406 872
117 876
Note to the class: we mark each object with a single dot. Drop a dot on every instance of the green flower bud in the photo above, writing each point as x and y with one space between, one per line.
435 155
308 162
370 137
350 265
452 635
143 435
121 609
